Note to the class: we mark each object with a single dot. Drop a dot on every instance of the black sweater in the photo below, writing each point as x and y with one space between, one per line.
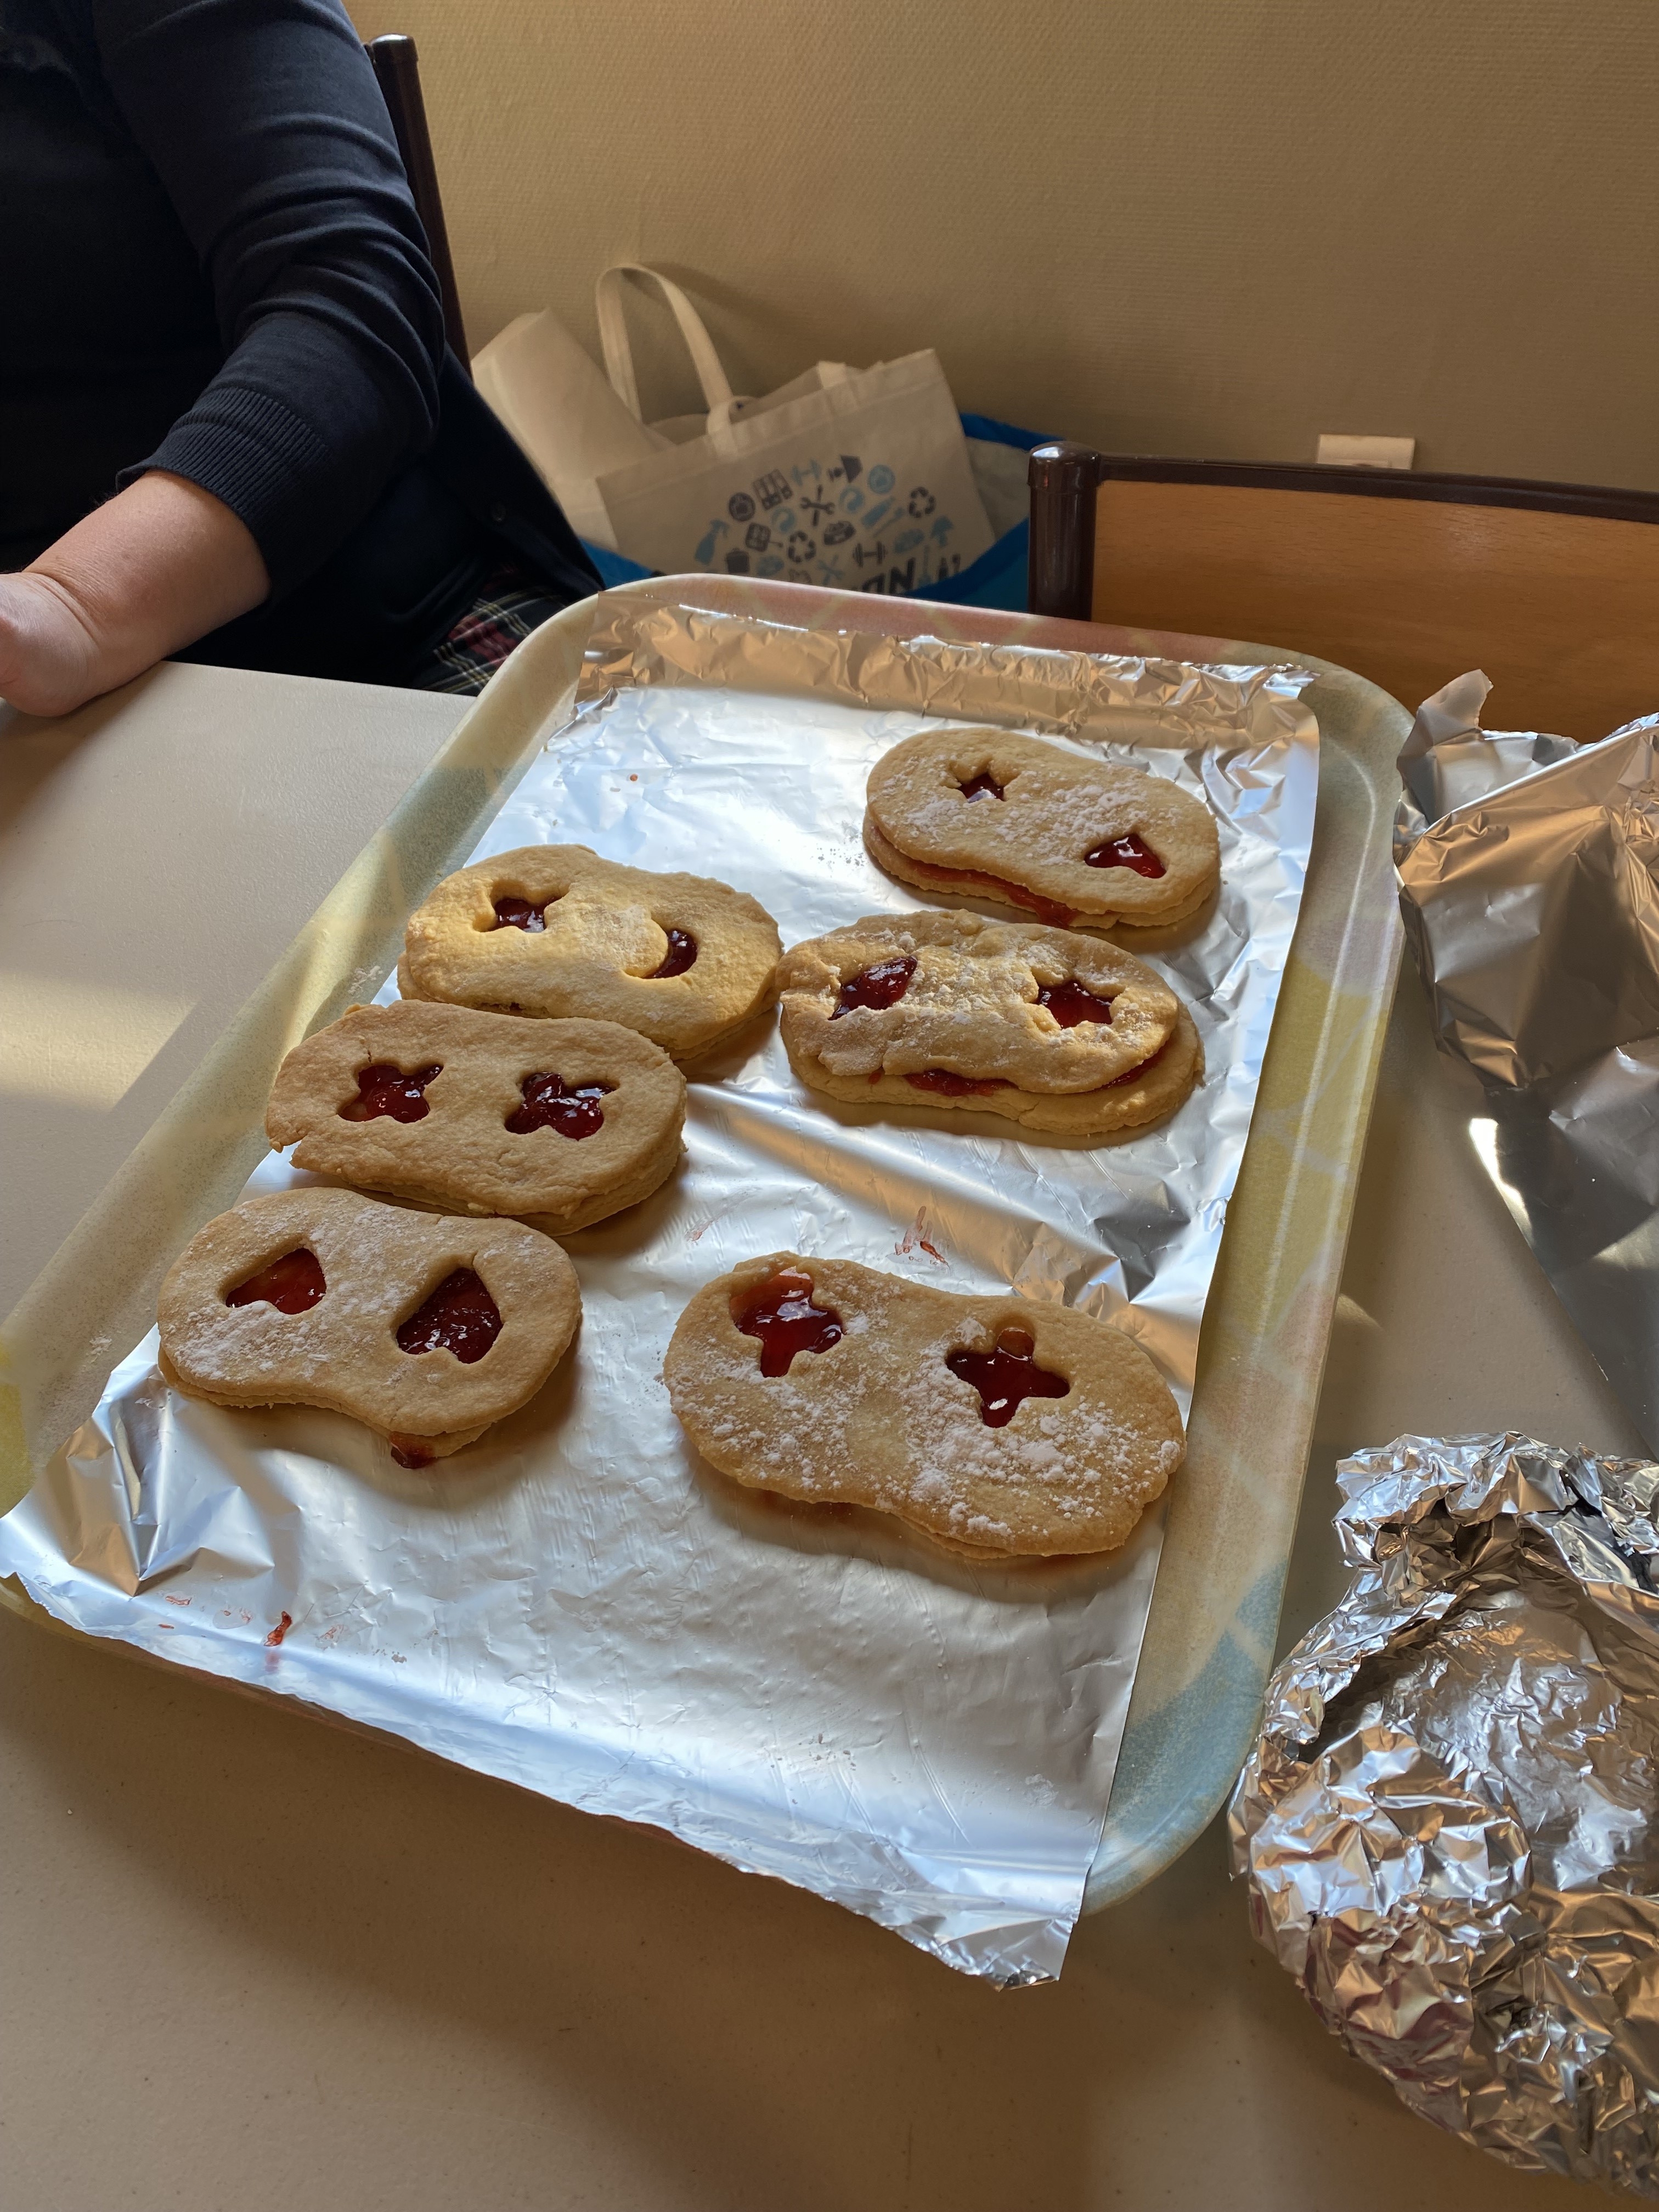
210 264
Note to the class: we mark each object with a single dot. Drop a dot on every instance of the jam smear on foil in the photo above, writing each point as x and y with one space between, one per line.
883 985
780 1313
1130 851
549 1103
1005 1377
384 1088
460 1316
982 786
949 1084
1072 1002
682 951
514 913
292 1284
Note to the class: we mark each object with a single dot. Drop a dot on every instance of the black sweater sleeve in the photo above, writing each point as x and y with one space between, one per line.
267 128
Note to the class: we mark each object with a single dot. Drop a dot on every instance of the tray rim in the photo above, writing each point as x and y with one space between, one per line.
1189 1725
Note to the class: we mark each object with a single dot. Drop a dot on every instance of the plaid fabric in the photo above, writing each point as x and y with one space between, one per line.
507 608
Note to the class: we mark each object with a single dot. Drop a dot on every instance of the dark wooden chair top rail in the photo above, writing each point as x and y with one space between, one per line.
1061 458
397 71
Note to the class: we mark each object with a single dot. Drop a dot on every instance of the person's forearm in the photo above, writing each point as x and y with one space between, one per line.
152 569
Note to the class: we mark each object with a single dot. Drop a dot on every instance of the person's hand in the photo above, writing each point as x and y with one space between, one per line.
48 658
154 568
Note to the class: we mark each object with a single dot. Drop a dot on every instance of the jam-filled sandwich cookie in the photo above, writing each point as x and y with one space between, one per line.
1046 1027
998 1428
986 815
426 1327
555 930
560 1123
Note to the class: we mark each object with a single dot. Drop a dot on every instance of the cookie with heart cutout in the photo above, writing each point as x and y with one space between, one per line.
560 1123
426 1327
555 931
1047 1028
988 814
998 1427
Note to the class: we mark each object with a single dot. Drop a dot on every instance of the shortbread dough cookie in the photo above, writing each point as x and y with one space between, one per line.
560 1123
993 1425
989 815
1045 1027
426 1327
555 930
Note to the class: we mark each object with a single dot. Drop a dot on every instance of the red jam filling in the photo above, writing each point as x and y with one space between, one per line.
1142 1067
293 1284
460 1316
949 1084
779 1312
1071 1002
682 951
982 786
883 985
1045 909
513 913
1004 1378
549 1103
1130 851
383 1088
411 1451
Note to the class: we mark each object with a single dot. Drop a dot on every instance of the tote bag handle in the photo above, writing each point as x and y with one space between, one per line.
618 348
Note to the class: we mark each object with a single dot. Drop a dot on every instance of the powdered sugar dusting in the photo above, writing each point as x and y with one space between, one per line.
1056 807
880 1420
971 1004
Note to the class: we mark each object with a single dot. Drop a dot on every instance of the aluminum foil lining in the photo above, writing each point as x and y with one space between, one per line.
1063 693
578 1605
1448 1825
1532 909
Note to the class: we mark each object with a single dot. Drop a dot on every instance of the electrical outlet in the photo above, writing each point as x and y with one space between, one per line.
1338 449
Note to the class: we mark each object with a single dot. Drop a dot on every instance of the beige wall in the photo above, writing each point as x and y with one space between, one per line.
1210 226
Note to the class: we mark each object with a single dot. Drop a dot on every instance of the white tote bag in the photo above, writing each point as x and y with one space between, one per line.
547 391
855 479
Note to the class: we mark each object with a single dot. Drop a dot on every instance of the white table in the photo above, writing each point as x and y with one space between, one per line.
250 1960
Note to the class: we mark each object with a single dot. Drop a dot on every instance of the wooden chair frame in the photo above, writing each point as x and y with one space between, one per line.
1556 607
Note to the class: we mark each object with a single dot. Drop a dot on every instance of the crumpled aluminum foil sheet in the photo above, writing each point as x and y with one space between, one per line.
575 1603
1448 1825
1448 760
1528 886
1061 693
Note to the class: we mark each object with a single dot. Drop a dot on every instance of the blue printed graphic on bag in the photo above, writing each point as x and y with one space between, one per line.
812 535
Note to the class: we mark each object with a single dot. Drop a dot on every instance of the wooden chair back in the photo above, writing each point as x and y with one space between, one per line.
1408 579
397 71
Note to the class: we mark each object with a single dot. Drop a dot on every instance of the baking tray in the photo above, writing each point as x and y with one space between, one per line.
1210 1635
